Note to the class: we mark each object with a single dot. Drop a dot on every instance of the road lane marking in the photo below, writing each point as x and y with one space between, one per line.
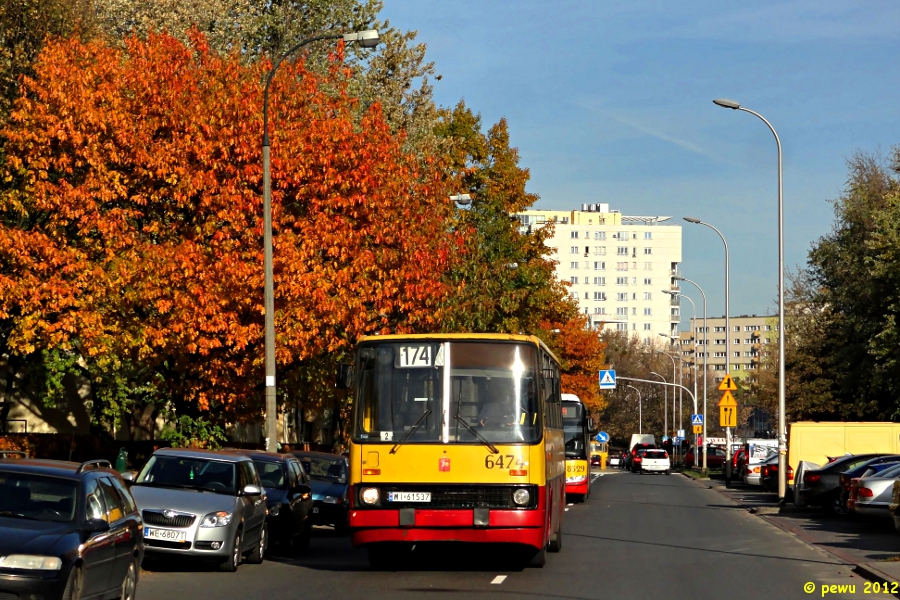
498 579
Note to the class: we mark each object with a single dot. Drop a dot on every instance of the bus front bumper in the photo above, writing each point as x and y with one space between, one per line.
449 525
578 488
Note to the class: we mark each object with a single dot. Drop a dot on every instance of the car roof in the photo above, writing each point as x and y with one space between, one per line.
299 453
202 454
258 454
55 468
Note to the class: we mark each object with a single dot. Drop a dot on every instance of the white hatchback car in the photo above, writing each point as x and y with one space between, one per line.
655 461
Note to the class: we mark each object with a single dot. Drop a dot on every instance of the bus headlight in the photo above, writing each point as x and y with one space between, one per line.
370 496
521 497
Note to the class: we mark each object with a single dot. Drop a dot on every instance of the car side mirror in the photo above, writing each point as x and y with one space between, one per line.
344 377
252 490
128 476
95 526
302 490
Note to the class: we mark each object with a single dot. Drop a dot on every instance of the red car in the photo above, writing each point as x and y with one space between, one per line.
715 458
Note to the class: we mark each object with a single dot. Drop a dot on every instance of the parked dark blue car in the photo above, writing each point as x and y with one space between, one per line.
329 480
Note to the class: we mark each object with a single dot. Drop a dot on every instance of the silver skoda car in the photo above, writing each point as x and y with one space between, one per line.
204 504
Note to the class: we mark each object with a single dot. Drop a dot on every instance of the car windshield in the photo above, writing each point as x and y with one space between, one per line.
492 391
37 497
271 474
188 473
324 469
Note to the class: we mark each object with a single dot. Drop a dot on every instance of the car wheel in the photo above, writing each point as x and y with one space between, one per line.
129 584
259 552
667 471
72 590
837 505
230 564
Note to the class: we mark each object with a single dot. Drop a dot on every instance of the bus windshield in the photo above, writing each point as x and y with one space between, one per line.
448 392
573 427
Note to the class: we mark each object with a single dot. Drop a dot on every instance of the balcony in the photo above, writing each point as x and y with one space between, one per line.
675 301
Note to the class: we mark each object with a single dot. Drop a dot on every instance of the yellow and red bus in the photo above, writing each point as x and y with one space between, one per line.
455 437
577 430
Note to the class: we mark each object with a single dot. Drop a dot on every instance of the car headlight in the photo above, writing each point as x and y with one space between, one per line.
331 500
216 519
31 562
370 496
521 496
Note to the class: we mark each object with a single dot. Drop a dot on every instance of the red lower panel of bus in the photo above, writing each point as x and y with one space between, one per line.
577 488
505 526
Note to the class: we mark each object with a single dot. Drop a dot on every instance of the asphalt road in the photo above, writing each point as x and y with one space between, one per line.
639 536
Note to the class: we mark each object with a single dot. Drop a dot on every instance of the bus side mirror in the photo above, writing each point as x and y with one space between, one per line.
590 423
344 376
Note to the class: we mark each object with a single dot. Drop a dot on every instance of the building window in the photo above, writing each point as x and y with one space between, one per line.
768 328
599 250
573 265
599 295
648 266
621 326
599 266
573 280
622 311
715 342
599 280
621 266
748 341
648 312
767 341
573 249
648 281
599 310
587 264
648 250
719 354
634 281
622 250
647 327
621 281
573 235
719 329
587 295
648 235
751 328
737 341
586 311
736 367
737 327
622 297
600 235
737 354
648 296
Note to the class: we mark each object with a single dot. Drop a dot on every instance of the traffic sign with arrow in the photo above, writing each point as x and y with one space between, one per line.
727 415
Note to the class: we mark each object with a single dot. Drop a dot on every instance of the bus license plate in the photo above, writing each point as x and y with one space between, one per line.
409 496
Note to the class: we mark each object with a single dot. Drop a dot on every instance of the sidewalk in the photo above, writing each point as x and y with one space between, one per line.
870 545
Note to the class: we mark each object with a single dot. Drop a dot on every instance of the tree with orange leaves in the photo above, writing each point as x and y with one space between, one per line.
131 228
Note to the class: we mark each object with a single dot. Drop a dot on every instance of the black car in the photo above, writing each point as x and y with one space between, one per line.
329 480
288 497
822 486
67 530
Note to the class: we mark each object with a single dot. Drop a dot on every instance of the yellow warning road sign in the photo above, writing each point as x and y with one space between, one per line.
728 384
698 428
727 416
727 399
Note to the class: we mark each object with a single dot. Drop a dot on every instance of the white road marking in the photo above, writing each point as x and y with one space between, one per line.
498 579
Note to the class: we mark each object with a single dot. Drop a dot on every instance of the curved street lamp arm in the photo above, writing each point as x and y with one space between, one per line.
271 75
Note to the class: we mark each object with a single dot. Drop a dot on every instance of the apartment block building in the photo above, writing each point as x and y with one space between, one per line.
617 266
751 339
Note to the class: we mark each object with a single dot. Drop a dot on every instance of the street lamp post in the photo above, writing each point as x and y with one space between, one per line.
640 416
672 358
727 338
693 362
665 403
366 39
782 421
705 356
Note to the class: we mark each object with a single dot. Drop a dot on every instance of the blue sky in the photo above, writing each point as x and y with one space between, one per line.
612 102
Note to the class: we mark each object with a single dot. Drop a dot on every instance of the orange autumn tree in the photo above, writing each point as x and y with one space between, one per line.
581 354
131 228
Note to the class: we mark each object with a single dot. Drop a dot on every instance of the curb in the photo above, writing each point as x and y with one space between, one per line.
867 571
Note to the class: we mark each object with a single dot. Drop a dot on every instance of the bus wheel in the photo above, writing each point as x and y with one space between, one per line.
538 559
555 544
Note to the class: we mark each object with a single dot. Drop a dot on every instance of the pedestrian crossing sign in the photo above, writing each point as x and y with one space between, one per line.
697 420
607 380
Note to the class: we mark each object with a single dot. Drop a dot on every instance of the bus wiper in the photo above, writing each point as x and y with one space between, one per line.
411 431
480 437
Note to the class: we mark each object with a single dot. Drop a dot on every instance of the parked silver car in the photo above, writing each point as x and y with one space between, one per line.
204 504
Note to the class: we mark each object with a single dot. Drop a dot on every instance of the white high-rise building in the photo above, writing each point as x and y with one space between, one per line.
617 266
